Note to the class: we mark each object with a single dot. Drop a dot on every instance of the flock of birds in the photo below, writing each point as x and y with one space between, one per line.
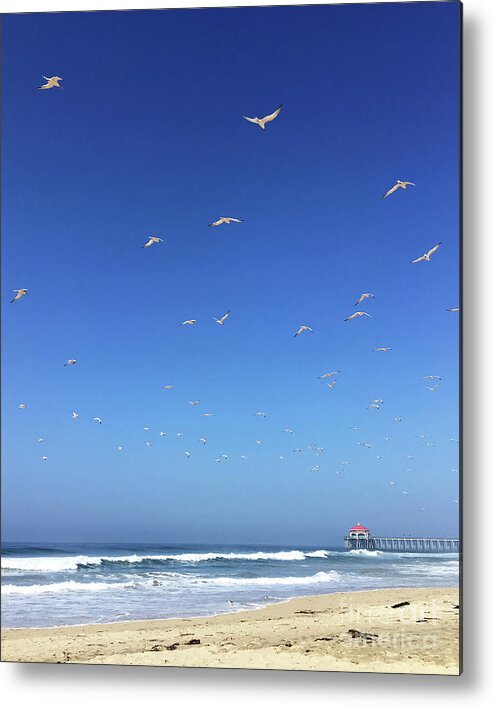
329 378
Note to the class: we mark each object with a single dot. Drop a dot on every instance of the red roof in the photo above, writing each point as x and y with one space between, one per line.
360 528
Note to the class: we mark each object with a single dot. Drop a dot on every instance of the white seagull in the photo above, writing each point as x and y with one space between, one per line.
51 82
194 402
120 448
358 314
208 414
365 295
202 440
98 420
40 439
70 362
431 378
167 387
260 414
302 328
426 256
332 384
399 184
19 294
151 241
187 454
162 434
260 442
453 309
383 348
74 415
22 406
225 219
188 322
288 430
261 122
328 375
222 319
432 388
44 459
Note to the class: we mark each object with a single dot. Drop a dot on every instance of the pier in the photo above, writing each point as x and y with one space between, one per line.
359 538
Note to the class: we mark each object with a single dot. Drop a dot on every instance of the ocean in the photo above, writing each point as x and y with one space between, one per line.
62 584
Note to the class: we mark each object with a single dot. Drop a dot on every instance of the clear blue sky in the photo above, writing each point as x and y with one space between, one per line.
147 138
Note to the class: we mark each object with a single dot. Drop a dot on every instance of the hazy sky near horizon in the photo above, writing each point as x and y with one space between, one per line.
147 138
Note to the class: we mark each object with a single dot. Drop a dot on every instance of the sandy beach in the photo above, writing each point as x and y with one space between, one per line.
352 631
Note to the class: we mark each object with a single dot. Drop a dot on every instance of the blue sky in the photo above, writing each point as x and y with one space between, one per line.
147 138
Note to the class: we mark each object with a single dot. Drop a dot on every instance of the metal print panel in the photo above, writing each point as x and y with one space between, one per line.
231 305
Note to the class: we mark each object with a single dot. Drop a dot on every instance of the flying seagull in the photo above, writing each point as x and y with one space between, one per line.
40 439
365 295
22 406
202 440
167 387
162 434
19 294
194 402
399 184
222 319
433 387
188 322
148 444
261 122
74 415
260 442
98 420
332 384
44 459
304 327
51 82
328 375
374 406
288 430
426 256
358 314
259 414
453 309
70 362
187 454
431 378
120 448
151 241
383 348
208 414
225 219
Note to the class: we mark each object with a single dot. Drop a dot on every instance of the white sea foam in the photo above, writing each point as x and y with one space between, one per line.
165 580
366 553
63 564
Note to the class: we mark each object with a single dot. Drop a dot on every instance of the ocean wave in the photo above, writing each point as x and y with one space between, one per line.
63 564
165 581
366 553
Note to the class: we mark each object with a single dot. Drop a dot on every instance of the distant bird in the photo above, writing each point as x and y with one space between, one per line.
365 295
208 414
162 434
224 456
119 448
426 256
261 122
223 318
431 378
19 294
358 314
146 429
243 456
405 493
40 439
98 420
398 419
44 459
332 384
22 406
288 430
410 457
194 402
452 439
453 309
316 468
260 414
51 82
379 402
393 483
167 387
344 462
70 362
304 327
355 429
373 406
379 457
297 450
225 219
148 444
151 241
260 442
180 434
383 348
74 415
399 185
433 387
329 375
282 458
388 439
203 440
188 322
187 454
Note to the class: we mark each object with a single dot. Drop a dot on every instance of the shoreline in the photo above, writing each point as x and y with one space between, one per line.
312 632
